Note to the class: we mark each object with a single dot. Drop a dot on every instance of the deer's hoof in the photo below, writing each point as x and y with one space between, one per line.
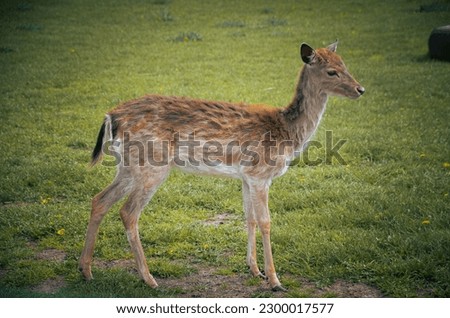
86 272
151 282
279 288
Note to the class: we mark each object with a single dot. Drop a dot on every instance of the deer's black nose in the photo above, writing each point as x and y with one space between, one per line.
360 90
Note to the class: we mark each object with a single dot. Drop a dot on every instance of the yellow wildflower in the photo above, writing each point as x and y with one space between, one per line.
45 201
61 232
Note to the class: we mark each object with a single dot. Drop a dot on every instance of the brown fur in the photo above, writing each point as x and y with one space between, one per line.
256 141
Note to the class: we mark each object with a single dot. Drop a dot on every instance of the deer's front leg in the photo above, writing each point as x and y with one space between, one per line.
260 196
251 230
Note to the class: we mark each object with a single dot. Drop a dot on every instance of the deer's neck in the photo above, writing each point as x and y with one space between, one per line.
303 114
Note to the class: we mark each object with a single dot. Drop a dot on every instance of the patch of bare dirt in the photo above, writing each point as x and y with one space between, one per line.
219 219
50 286
8 204
206 283
343 289
51 254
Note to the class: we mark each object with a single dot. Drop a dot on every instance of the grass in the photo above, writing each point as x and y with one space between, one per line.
381 219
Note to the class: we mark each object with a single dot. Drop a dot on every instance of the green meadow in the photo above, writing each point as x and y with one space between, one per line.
378 218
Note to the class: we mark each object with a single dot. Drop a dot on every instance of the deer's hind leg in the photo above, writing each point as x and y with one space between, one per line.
101 203
143 190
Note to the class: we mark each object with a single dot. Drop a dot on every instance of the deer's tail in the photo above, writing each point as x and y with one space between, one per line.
105 135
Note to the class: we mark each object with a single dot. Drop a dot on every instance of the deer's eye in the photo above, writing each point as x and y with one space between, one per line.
332 73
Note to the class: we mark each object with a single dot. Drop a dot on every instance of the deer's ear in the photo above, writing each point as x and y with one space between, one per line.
307 53
333 46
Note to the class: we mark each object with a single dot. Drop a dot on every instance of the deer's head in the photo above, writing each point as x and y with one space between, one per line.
328 72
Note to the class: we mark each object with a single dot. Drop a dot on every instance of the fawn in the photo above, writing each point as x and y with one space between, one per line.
254 143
